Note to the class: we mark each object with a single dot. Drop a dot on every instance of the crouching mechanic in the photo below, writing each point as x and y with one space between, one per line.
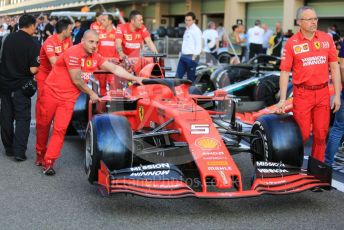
61 90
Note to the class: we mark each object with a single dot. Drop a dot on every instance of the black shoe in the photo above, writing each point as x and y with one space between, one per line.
20 158
49 171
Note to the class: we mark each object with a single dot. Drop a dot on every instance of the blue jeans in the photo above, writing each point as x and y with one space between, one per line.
336 134
188 66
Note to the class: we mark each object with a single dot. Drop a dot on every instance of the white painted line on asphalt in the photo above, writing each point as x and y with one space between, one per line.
338 185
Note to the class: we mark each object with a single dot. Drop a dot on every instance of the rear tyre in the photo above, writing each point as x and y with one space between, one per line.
267 90
108 138
278 139
203 81
224 58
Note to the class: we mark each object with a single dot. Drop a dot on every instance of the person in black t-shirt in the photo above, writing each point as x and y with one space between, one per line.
49 28
19 63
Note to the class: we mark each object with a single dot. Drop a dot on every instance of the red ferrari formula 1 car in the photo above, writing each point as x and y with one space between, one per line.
158 140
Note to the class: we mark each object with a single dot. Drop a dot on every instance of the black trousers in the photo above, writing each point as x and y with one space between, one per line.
255 49
16 107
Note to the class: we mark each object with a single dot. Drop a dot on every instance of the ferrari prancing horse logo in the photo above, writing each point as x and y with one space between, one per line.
89 63
317 45
141 113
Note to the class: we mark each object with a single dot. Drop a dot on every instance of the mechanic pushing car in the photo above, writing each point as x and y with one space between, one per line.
61 90
107 48
309 53
130 37
53 47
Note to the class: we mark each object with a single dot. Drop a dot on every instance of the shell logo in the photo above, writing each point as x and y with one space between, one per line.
207 143
297 49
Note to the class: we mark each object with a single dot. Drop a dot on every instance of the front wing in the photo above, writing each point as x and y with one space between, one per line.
175 186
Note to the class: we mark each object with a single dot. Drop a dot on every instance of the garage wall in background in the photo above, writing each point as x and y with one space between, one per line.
326 9
268 12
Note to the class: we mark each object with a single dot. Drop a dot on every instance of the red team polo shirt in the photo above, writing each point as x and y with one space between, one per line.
52 47
131 41
107 43
309 58
96 26
59 79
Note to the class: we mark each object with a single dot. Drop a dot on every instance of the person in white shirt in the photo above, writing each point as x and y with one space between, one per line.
210 43
191 48
2 31
255 39
266 37
220 31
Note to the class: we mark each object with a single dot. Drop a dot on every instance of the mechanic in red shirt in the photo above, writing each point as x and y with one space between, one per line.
61 90
130 36
107 48
54 46
97 25
309 54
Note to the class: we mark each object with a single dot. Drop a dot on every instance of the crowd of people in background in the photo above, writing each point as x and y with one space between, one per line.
243 43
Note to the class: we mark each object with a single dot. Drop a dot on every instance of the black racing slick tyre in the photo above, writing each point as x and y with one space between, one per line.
79 119
278 139
108 138
225 75
161 31
171 32
267 90
224 58
203 81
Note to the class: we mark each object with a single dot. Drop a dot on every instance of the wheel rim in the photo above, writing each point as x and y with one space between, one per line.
89 150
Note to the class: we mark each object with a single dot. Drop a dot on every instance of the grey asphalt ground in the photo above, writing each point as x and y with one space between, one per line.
30 200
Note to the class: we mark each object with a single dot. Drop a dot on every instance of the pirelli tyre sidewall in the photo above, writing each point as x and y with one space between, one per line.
278 139
109 138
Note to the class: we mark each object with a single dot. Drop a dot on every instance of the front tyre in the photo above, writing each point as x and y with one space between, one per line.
109 139
278 139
